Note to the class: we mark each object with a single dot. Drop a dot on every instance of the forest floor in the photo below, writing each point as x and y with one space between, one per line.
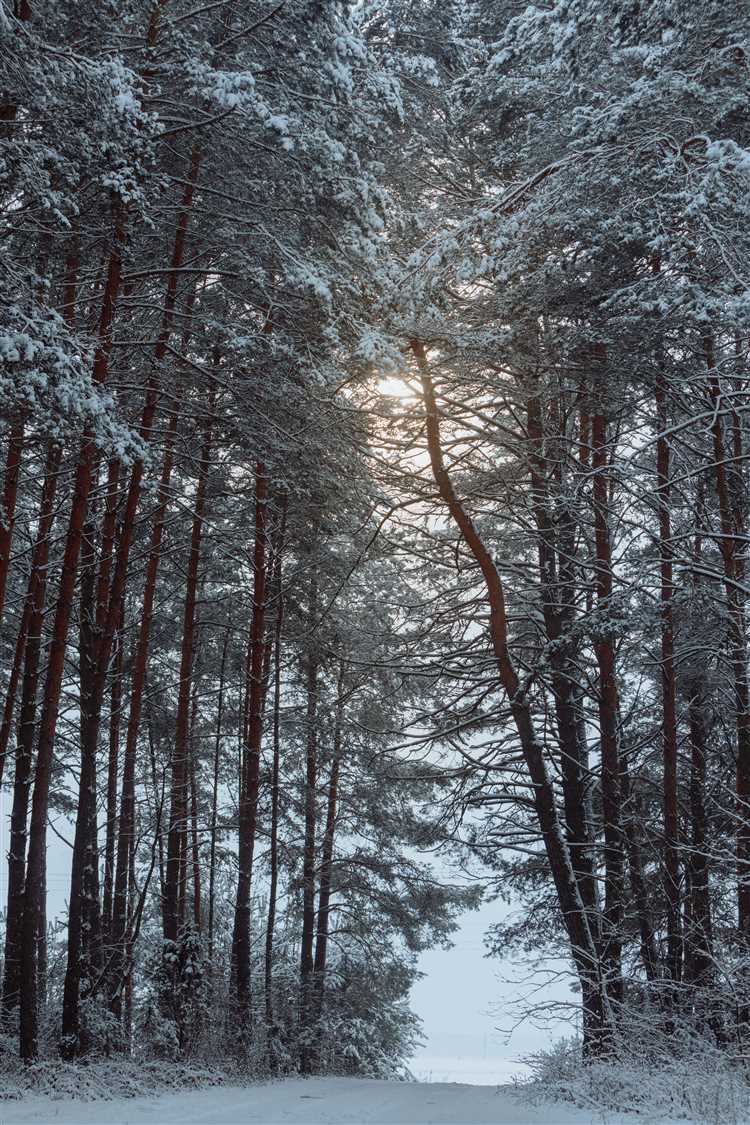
316 1101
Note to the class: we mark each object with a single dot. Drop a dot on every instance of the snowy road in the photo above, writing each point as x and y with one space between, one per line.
316 1101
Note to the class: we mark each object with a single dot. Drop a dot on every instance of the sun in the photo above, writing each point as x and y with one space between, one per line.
395 387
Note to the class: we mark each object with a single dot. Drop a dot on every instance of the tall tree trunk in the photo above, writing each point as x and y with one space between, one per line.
177 835
278 593
699 960
115 705
307 1053
215 798
15 674
326 870
649 956
557 608
110 594
82 914
35 600
251 756
126 820
194 818
34 890
107 619
604 648
732 534
668 688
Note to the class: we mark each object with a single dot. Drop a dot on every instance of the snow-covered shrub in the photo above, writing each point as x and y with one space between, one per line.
173 1012
97 1079
367 1028
675 1076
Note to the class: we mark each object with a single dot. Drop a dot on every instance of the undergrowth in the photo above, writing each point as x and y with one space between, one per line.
684 1078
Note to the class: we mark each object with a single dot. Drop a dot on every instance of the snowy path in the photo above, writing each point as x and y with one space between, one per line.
317 1101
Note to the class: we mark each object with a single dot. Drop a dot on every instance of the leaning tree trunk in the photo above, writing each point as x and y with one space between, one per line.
595 996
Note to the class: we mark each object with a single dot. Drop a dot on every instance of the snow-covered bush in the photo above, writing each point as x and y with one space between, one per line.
97 1079
672 1076
173 1013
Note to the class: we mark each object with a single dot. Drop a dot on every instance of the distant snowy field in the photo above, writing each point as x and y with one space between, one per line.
314 1101
474 1070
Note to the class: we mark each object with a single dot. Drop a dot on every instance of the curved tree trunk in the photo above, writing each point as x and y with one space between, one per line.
599 1019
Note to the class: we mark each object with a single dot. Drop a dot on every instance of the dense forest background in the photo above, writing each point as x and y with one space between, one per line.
374 423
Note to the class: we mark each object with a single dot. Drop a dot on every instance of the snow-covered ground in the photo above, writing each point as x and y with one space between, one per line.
315 1101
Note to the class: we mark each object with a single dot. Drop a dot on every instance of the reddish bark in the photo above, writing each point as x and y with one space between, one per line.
126 820
35 600
598 1016
33 899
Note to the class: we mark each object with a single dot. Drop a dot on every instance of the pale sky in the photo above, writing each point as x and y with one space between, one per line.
465 1001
